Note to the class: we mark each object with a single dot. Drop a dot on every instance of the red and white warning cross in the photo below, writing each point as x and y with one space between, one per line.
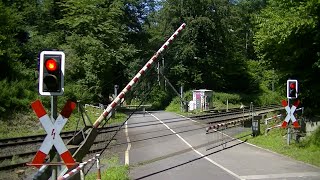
53 134
290 115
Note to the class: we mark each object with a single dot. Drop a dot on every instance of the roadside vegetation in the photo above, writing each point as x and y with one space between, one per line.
219 100
239 47
243 50
112 170
306 150
28 124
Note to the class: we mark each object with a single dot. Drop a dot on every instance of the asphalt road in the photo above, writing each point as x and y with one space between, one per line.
167 146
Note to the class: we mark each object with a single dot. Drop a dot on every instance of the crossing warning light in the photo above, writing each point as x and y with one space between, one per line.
292 89
51 75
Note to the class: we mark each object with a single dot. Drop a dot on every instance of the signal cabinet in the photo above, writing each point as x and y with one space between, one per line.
202 100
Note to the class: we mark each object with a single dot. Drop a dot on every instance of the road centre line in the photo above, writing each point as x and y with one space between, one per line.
205 157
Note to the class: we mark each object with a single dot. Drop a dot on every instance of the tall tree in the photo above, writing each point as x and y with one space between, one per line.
204 57
97 43
288 39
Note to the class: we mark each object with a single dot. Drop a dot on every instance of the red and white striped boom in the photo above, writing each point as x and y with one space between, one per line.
121 95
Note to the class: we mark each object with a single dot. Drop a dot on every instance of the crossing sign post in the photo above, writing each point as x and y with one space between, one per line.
53 137
290 115
292 95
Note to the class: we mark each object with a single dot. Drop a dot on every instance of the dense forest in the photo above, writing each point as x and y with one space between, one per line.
249 47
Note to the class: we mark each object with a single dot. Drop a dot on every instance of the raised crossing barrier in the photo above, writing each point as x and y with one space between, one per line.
84 143
147 66
80 168
270 118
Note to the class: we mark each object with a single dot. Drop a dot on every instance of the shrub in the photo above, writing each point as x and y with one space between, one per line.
16 96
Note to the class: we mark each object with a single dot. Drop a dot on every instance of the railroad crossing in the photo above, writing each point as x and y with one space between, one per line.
180 152
182 142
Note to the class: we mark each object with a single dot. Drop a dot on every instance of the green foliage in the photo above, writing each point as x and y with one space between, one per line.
219 100
15 96
175 104
107 42
314 138
287 39
206 43
223 97
115 171
159 98
275 140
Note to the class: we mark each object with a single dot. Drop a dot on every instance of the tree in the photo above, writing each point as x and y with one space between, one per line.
96 43
287 39
205 56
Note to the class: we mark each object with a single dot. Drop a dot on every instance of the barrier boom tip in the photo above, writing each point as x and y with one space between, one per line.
135 79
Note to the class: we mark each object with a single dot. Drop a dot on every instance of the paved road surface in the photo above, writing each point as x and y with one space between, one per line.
167 146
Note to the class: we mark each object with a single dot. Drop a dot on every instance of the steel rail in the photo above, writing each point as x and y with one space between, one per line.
227 118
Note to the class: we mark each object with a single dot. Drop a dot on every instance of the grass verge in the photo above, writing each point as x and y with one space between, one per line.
307 150
28 124
114 170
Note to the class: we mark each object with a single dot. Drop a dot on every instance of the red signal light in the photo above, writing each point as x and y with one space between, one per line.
292 85
51 65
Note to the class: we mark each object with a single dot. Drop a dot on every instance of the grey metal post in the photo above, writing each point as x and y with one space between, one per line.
162 69
53 153
116 87
289 129
251 111
158 68
116 90
181 102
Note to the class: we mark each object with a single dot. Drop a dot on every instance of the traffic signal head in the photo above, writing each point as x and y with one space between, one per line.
51 75
292 89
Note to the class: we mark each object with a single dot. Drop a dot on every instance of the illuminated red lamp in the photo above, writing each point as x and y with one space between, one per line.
51 65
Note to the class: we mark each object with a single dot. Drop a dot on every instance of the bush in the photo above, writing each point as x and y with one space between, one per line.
223 97
314 138
159 98
175 106
16 96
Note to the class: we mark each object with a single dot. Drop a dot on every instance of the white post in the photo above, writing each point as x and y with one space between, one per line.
82 177
98 167
227 105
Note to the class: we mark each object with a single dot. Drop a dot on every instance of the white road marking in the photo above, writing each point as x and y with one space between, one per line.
284 175
267 176
126 156
199 153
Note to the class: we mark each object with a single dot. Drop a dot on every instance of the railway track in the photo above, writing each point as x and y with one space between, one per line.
234 111
16 152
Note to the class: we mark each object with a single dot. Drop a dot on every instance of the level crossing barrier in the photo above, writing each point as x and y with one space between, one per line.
81 167
85 143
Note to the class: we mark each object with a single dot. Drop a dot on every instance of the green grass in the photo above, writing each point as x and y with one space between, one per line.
28 124
114 171
219 102
307 150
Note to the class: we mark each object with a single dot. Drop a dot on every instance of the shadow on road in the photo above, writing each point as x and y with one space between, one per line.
192 160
